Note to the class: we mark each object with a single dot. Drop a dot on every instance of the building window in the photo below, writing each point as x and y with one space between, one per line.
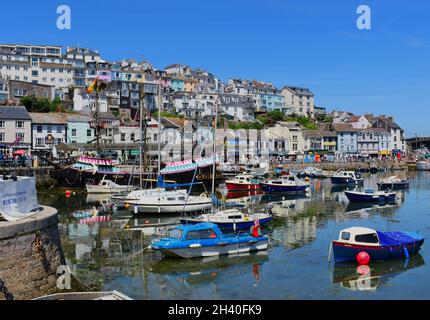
2 137
89 131
20 136
294 146
1 124
73 132
20 92
59 129
19 124
34 73
132 136
58 140
122 137
49 129
39 129
40 142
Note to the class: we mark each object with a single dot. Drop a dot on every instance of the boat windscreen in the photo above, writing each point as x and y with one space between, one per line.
175 234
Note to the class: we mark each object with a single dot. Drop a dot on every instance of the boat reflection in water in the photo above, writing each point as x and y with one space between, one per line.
373 276
356 207
203 270
242 194
289 207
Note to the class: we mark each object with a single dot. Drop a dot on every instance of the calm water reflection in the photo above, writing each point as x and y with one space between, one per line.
113 255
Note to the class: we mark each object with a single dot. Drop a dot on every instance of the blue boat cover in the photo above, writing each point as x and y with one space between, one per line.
389 239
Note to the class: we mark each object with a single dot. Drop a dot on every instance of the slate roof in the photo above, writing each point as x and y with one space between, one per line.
48 118
14 113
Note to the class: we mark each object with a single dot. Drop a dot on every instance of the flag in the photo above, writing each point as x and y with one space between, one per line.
92 85
257 222
17 140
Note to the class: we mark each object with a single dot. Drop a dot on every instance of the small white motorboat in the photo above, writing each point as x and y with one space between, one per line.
393 183
108 186
230 219
162 201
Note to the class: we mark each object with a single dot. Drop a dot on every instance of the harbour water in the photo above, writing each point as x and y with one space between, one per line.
112 255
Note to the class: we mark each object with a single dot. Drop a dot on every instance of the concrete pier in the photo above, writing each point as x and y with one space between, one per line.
30 253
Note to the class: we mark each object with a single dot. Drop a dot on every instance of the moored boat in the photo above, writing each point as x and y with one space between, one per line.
423 165
378 245
162 201
370 196
243 182
206 240
108 186
393 183
89 169
232 219
346 178
287 184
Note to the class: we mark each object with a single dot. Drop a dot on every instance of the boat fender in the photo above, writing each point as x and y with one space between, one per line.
406 252
252 241
195 245
224 243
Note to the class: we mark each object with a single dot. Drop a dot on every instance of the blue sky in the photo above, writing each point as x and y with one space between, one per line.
309 43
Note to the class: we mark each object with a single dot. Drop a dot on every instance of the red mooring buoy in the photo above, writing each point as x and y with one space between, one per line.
363 258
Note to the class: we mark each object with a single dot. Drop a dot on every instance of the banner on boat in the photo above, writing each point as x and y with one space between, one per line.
18 199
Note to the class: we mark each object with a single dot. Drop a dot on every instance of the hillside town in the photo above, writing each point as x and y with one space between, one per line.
45 108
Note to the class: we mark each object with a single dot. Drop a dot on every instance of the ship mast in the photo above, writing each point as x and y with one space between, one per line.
214 153
142 161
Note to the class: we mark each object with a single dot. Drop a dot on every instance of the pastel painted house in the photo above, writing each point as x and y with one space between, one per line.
15 129
346 138
178 84
79 130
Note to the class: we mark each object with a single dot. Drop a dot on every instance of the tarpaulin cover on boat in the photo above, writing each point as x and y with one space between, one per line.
18 199
387 239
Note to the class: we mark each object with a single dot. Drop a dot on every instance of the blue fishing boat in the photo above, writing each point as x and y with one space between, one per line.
370 196
232 219
286 184
206 240
378 245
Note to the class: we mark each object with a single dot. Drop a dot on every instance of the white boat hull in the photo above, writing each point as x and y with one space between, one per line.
98 189
166 208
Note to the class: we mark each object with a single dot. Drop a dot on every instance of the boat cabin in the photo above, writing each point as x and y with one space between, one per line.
347 174
245 179
359 236
200 231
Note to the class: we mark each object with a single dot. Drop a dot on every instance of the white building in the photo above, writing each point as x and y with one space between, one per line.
373 142
299 101
287 137
84 102
36 64
48 131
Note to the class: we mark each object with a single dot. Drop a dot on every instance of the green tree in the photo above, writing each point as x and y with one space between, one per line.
38 104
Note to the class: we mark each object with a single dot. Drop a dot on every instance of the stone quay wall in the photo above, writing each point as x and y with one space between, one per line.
30 253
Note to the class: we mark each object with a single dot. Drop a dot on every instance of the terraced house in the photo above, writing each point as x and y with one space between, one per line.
15 129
